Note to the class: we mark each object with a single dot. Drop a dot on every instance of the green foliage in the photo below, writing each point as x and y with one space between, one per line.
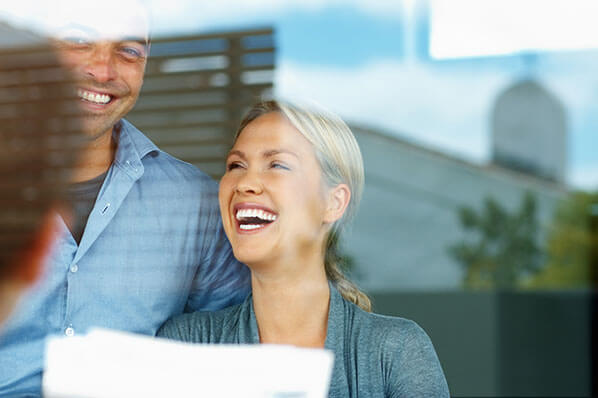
501 247
572 244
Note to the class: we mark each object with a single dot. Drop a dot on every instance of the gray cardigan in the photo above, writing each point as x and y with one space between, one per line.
374 355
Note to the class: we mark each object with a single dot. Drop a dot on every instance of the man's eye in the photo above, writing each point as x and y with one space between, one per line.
132 52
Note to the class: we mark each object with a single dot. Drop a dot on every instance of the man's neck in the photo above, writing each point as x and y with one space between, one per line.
95 158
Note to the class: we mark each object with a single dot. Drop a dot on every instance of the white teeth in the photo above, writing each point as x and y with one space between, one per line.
250 226
93 97
247 213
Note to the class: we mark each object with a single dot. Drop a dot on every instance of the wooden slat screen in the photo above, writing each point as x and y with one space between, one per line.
197 88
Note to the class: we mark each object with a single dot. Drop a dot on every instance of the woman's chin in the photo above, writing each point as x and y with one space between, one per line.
251 256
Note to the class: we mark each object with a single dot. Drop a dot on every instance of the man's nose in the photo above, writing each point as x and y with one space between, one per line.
101 65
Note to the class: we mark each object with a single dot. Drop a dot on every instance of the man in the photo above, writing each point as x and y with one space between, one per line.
145 240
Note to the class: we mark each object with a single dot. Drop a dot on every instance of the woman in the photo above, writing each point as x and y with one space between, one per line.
293 179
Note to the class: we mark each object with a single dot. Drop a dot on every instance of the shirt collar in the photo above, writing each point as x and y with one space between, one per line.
132 147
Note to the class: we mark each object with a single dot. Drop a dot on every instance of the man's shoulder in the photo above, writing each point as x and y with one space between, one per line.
160 164
164 160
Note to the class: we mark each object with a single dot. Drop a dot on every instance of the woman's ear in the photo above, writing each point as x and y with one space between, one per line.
337 201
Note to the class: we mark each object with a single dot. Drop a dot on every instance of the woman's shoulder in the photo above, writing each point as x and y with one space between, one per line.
202 326
384 328
393 330
409 361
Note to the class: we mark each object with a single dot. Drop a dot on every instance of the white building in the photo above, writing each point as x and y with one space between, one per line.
409 212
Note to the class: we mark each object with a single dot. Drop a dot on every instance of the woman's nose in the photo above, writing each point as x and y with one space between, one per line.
250 183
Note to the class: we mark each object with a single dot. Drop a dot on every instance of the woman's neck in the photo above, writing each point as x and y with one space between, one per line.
292 309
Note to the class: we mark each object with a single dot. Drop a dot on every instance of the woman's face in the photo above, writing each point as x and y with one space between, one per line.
272 198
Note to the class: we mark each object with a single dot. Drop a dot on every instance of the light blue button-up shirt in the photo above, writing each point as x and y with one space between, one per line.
153 247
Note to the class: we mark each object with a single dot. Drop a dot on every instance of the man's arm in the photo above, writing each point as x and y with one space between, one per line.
220 280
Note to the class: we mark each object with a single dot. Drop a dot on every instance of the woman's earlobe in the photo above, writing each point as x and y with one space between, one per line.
338 200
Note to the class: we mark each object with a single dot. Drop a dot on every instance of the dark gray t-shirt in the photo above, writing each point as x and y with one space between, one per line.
374 355
81 197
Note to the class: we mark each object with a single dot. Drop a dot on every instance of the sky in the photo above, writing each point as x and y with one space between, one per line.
362 60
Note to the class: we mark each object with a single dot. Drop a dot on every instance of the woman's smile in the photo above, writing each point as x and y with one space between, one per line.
272 194
253 218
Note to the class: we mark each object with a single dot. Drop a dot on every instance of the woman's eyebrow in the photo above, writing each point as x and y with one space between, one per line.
265 154
236 152
274 152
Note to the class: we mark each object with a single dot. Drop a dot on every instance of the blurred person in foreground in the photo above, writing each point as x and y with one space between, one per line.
144 241
294 179
39 137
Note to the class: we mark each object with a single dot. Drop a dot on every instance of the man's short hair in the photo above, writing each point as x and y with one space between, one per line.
39 140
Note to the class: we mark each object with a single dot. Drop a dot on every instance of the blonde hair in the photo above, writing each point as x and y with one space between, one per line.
341 162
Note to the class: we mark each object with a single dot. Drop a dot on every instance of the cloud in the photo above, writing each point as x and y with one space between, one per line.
473 27
196 15
446 110
441 107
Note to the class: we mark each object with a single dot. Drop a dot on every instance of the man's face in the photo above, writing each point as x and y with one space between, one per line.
107 50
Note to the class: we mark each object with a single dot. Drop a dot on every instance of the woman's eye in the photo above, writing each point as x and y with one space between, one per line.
277 165
232 166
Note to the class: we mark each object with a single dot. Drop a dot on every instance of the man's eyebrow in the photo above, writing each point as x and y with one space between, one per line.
136 39
73 28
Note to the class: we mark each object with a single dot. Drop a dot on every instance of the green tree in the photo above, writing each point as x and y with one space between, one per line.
571 244
501 247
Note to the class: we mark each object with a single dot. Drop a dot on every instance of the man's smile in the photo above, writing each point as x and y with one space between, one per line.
94 97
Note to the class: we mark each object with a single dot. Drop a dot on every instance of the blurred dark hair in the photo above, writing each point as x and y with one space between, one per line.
39 139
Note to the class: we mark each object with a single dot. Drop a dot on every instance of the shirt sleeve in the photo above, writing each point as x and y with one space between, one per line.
220 280
413 368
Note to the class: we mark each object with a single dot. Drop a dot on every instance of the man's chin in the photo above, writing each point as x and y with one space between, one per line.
94 130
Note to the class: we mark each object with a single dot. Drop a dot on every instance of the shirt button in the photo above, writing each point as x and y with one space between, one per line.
74 268
70 332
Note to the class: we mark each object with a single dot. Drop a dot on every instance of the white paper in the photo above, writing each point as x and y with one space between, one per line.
110 364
